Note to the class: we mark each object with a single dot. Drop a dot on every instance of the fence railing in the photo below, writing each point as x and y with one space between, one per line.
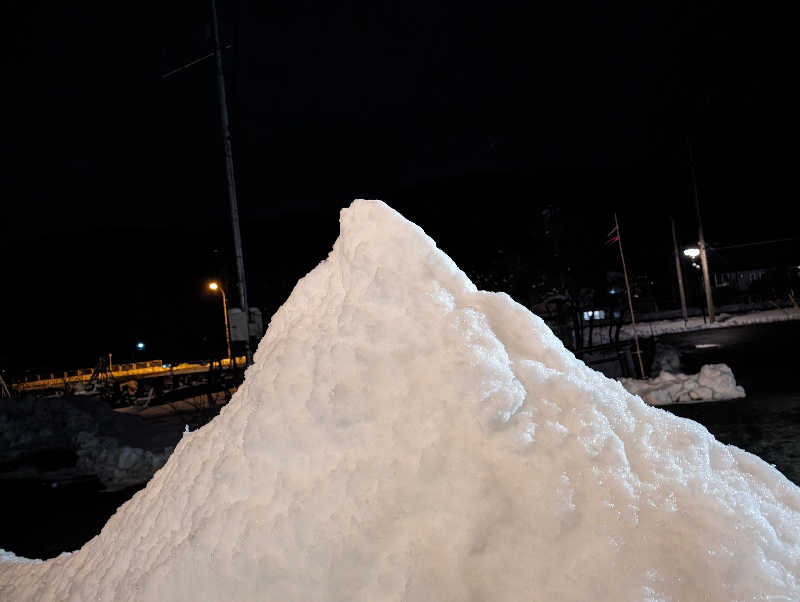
152 368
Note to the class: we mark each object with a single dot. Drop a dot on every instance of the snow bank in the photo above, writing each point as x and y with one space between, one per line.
117 466
117 449
714 382
403 436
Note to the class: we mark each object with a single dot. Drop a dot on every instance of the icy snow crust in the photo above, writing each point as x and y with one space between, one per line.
403 436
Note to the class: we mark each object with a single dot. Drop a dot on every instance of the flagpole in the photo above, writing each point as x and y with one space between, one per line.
630 299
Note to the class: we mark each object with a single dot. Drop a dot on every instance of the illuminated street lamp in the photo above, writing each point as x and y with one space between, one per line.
693 253
216 287
138 346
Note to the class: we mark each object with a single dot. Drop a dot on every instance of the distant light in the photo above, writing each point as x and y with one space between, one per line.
140 345
213 286
691 252
613 291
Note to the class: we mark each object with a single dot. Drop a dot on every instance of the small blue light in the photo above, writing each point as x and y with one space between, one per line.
140 345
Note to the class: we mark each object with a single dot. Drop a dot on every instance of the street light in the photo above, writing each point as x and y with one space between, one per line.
693 253
137 347
216 287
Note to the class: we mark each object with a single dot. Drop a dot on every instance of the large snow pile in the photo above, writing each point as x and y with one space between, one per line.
714 382
403 436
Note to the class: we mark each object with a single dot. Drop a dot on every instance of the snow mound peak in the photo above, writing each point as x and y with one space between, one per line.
403 436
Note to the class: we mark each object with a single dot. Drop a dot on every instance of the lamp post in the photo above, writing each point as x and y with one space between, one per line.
692 253
679 274
138 346
214 287
701 243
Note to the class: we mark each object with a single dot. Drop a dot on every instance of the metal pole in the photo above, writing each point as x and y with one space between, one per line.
231 180
679 273
227 327
630 300
701 244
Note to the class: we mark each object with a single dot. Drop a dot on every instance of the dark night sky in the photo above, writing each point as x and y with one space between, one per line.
467 117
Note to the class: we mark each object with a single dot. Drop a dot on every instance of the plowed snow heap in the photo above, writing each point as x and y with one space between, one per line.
404 436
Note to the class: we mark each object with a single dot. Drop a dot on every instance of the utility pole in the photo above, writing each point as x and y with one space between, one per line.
701 244
231 180
679 273
630 298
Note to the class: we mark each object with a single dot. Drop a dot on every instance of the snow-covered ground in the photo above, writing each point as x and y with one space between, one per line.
600 335
714 382
660 327
404 436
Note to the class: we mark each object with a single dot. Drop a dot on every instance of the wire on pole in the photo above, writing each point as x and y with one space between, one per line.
191 63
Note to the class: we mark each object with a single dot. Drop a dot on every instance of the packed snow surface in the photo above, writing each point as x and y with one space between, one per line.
714 382
404 436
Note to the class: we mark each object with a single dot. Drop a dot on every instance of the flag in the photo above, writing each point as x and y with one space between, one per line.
613 236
